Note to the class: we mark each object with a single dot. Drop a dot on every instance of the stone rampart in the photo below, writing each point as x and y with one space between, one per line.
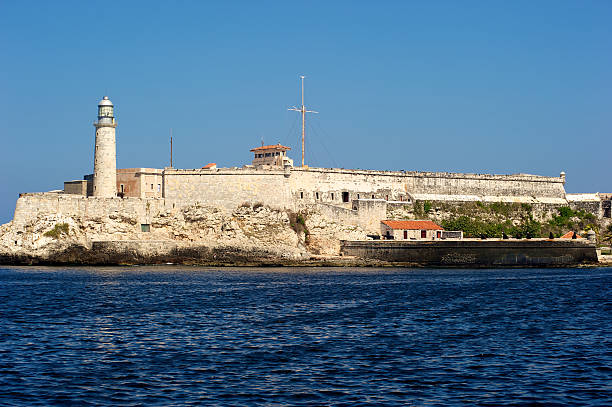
30 206
300 187
228 188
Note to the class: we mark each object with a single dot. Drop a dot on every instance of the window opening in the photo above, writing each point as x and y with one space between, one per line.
345 197
145 227
423 234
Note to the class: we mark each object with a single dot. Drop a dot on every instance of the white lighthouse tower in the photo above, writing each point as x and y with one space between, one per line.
105 156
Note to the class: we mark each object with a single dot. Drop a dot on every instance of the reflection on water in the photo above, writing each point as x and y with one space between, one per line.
176 336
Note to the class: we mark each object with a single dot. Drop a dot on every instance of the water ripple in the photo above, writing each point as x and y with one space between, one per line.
189 336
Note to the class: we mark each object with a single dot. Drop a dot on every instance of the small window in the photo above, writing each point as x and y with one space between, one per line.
423 234
151 187
345 197
301 195
332 196
372 196
317 194
158 187
357 196
405 234
121 187
145 227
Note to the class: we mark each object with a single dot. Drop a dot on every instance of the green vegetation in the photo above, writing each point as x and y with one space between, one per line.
421 209
495 219
298 223
479 228
59 230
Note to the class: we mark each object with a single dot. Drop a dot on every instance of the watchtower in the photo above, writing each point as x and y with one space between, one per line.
105 156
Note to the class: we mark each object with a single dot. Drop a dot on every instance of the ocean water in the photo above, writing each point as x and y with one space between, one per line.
293 336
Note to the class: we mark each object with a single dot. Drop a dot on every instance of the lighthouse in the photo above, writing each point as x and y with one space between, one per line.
105 156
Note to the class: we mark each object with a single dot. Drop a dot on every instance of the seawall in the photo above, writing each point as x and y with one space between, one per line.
476 253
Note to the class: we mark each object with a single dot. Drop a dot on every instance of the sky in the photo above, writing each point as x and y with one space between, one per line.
461 86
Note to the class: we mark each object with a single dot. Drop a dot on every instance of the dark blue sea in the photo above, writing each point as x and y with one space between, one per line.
292 336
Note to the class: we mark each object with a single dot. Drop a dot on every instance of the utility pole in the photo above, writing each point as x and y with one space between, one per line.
302 110
171 147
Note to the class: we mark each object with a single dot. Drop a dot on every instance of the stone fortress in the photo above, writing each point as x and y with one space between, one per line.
350 203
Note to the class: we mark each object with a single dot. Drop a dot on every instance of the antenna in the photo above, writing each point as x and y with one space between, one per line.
170 147
303 110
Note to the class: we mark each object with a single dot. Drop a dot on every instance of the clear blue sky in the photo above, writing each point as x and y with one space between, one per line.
465 86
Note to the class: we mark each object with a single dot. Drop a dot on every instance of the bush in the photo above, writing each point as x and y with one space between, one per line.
298 223
478 228
427 207
58 230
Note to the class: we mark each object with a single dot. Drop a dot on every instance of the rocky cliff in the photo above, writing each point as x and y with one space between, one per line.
248 234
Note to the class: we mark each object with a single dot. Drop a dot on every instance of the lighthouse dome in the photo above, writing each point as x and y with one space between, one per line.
105 102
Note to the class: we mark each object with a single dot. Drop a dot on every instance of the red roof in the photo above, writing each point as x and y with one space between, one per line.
272 147
209 165
412 224
569 235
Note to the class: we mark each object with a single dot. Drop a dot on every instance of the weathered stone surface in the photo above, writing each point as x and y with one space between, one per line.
108 231
474 253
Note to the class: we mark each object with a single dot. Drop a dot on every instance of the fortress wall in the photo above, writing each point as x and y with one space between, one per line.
30 206
300 187
403 185
296 189
228 188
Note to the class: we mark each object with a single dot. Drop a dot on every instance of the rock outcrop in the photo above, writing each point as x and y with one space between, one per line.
195 234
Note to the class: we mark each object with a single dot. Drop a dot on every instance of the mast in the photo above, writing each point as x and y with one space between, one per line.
171 148
302 110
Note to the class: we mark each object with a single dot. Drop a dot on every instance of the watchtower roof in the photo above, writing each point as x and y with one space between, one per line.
276 147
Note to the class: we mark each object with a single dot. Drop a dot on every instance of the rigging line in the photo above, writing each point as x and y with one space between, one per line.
320 139
289 136
312 153
326 135
331 160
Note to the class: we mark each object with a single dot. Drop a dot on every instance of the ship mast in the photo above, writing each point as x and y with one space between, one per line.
302 110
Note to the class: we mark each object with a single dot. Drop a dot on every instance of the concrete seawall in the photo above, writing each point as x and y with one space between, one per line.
475 253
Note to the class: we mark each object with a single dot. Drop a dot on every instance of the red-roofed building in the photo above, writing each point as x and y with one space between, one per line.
274 155
570 234
414 230
210 166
